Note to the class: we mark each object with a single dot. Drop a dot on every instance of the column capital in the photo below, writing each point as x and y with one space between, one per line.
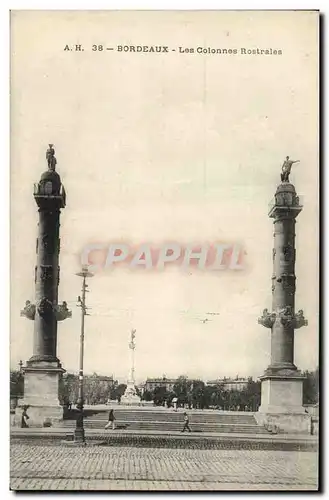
286 203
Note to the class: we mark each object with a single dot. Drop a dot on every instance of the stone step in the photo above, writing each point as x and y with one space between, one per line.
175 417
172 426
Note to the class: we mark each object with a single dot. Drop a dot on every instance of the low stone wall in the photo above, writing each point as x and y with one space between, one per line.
39 416
288 423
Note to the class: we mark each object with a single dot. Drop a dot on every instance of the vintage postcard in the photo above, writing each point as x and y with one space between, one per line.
164 250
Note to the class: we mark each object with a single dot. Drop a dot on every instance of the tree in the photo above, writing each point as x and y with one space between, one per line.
182 388
214 395
234 399
251 395
147 396
118 391
311 387
160 395
96 389
170 396
196 394
16 384
139 392
69 388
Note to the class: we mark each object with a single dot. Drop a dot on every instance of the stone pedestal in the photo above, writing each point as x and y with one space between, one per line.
130 397
41 391
282 404
282 395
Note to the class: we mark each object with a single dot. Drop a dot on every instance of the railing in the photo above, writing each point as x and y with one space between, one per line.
41 190
272 203
286 200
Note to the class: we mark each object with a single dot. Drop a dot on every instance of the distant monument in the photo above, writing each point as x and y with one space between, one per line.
43 371
282 382
130 396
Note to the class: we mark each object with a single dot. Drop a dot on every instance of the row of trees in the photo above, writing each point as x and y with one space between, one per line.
16 384
311 387
96 389
194 393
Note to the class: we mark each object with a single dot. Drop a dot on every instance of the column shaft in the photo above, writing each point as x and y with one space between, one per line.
46 286
282 338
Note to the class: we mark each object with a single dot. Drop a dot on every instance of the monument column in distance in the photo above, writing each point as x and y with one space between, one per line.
130 397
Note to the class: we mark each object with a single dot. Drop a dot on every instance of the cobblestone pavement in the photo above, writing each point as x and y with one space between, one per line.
118 468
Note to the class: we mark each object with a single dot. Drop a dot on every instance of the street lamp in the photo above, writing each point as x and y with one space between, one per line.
79 432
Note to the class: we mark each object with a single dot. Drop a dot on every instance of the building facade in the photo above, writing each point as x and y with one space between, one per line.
152 383
230 384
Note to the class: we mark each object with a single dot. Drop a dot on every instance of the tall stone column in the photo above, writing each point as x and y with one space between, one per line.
282 383
43 371
130 397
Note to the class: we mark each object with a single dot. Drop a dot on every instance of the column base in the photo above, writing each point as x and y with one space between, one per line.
42 358
130 397
282 370
282 401
41 391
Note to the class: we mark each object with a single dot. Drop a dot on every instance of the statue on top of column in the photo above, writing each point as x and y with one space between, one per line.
132 344
50 157
286 169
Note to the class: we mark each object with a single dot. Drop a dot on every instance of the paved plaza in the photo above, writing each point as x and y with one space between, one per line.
38 467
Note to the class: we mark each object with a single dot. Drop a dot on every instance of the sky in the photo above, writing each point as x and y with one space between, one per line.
165 147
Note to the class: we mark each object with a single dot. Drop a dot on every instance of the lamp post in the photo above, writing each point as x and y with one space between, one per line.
79 432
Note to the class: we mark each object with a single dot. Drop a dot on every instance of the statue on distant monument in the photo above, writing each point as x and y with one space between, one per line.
50 157
132 344
286 169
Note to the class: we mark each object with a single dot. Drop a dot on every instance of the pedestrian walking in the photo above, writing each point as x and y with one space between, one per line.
25 418
186 423
111 421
